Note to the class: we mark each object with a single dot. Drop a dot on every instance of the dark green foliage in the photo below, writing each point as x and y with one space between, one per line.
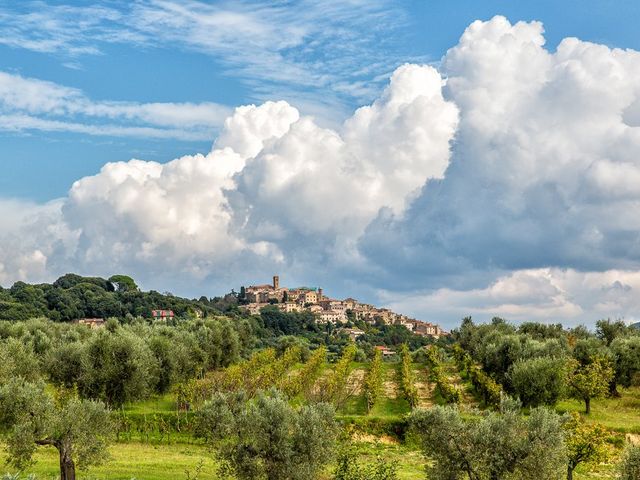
391 336
123 283
608 330
288 323
72 297
539 381
541 331
626 354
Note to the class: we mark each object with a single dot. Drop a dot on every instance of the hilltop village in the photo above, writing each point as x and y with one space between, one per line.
326 309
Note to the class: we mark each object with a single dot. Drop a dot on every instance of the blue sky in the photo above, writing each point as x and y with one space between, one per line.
444 158
41 165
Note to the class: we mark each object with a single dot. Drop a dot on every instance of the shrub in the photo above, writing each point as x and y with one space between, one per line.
630 464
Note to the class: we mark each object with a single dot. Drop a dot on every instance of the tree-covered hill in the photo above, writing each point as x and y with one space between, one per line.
72 297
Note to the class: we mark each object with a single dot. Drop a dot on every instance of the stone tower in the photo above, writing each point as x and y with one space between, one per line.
276 282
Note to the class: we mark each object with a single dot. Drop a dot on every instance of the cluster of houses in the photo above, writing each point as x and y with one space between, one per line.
328 310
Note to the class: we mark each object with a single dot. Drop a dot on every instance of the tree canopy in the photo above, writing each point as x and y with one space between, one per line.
78 429
266 438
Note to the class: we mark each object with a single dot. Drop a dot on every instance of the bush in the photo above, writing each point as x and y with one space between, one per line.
266 437
630 464
349 468
499 445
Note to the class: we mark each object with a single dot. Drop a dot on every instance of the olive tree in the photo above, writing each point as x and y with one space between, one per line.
626 352
119 367
539 381
608 330
265 438
17 360
499 445
78 429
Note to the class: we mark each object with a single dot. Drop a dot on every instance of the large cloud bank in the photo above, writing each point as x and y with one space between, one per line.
507 182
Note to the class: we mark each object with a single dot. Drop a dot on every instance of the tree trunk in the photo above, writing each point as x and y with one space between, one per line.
613 389
587 405
67 466
569 472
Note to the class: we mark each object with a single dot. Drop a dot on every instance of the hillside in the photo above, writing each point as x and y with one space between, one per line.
72 297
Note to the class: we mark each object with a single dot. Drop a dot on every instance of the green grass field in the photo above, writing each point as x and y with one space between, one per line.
134 460
618 414
165 403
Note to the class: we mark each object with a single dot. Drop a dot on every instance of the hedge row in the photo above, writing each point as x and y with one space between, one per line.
373 380
483 384
448 392
407 380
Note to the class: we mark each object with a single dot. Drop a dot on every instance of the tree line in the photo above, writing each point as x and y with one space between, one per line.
541 364
121 362
72 297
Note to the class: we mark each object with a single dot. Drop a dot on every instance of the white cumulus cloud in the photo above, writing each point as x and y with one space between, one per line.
505 182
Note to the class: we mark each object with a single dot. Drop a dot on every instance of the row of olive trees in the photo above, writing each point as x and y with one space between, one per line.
541 365
259 438
120 363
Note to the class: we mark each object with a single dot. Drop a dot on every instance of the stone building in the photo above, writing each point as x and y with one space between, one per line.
329 310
